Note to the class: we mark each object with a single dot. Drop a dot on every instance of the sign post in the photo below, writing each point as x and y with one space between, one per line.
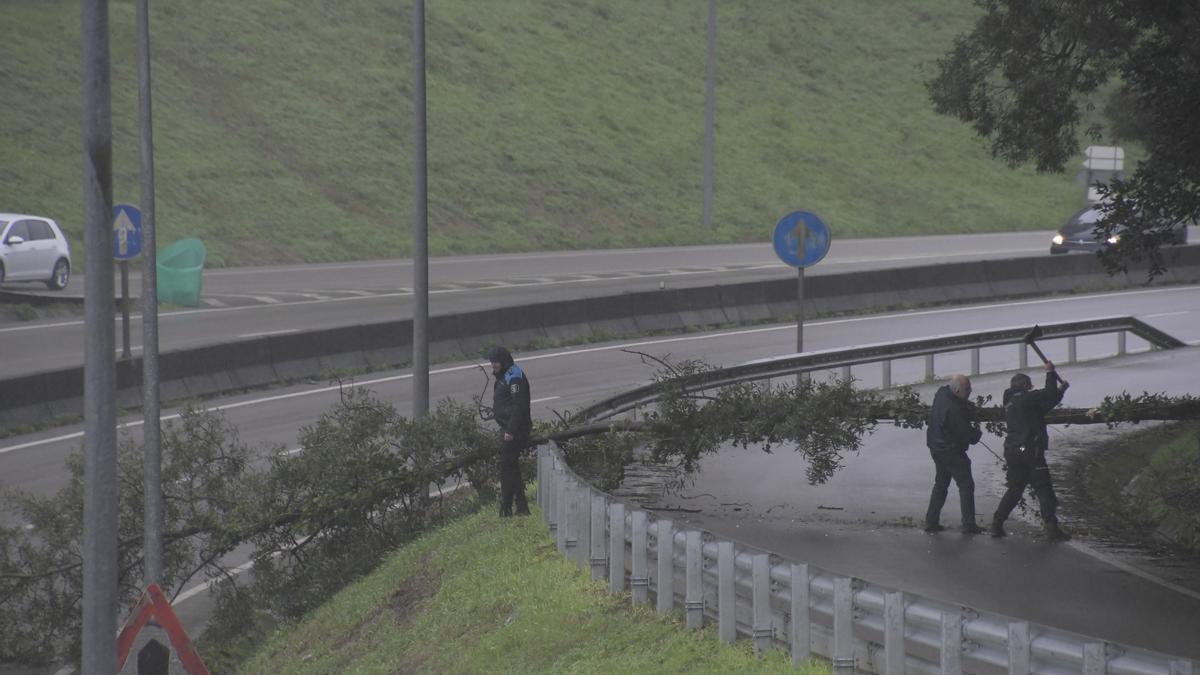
127 244
801 240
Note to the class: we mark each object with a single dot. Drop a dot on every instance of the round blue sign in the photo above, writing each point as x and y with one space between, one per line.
801 239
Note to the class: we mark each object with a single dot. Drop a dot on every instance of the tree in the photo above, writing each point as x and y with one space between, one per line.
1035 76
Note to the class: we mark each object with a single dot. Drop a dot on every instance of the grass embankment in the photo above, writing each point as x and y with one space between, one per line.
283 127
1145 487
486 595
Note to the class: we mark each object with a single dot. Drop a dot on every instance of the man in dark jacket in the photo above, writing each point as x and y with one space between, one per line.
1025 446
510 405
948 435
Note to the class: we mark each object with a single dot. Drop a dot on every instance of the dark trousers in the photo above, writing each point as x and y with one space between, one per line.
1024 469
511 485
949 465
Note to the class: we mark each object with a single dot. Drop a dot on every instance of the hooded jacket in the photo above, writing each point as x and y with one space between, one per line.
949 428
510 395
1025 414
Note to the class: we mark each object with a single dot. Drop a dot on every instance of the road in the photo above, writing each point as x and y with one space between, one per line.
246 302
1018 576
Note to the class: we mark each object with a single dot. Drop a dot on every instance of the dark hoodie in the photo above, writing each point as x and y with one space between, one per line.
1025 413
510 394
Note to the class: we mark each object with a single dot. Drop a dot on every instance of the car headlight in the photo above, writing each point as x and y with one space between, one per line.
1114 239
1057 239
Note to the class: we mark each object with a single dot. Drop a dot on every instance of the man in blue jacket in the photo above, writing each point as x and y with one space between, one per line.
510 406
1025 446
948 435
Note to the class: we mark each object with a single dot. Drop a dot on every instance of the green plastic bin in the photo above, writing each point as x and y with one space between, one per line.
180 270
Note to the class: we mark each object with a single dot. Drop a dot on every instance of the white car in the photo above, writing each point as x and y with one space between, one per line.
33 248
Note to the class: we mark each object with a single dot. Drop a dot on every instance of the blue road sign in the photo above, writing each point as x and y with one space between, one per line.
127 231
801 239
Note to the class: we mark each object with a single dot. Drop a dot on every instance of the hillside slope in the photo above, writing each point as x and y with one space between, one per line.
283 127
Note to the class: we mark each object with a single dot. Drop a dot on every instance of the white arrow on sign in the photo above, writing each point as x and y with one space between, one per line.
122 226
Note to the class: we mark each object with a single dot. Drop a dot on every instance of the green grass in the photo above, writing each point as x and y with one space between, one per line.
283 127
486 595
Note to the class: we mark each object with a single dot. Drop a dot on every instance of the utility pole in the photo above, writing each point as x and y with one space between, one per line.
420 346
99 374
151 431
710 113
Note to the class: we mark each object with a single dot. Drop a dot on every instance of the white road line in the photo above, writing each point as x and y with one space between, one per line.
406 292
543 400
1160 314
270 332
213 302
614 347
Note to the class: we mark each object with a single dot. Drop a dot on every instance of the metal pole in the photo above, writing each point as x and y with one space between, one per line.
151 432
420 365
800 310
125 309
99 375
710 107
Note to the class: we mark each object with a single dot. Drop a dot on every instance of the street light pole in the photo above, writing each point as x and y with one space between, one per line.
151 431
420 346
99 373
710 106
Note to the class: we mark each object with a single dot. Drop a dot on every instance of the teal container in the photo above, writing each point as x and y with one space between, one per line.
180 272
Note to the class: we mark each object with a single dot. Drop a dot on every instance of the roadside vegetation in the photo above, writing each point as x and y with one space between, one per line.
283 127
490 595
1145 487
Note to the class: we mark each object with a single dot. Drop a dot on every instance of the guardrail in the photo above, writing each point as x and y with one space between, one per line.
886 352
751 592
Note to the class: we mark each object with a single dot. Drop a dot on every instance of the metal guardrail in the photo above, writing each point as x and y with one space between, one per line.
886 352
857 625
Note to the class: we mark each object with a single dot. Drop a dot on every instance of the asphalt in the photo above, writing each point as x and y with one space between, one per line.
867 522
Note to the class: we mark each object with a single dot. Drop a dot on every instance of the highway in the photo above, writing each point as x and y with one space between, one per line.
864 522
248 302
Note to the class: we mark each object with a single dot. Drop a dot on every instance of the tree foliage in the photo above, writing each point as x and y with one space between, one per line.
1033 76
368 479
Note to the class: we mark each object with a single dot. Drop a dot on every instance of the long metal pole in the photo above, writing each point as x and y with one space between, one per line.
99 375
710 107
420 348
151 431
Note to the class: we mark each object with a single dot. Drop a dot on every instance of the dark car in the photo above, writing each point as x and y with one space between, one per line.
1077 233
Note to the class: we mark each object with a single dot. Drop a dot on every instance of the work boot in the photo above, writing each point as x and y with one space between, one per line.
972 528
1055 533
933 527
997 529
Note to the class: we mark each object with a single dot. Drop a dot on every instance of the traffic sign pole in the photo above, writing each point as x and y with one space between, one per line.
801 239
125 353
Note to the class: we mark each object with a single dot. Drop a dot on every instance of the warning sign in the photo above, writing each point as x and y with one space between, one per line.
154 605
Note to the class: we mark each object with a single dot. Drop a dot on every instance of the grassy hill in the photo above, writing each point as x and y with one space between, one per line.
283 127
485 595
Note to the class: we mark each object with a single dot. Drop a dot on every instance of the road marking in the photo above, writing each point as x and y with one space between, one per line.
213 302
543 400
1155 316
591 350
407 292
270 332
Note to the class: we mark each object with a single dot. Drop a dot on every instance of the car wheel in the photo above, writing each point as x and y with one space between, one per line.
60 277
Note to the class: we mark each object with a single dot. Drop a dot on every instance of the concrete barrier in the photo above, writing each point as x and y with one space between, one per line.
270 359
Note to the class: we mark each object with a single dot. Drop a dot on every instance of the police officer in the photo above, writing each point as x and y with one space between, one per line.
510 405
1025 446
948 435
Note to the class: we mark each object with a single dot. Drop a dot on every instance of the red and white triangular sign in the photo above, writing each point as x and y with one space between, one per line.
154 604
